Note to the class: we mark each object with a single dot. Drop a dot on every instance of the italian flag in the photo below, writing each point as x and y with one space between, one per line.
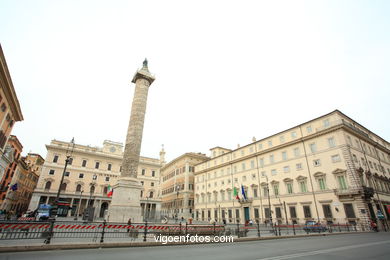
109 191
235 193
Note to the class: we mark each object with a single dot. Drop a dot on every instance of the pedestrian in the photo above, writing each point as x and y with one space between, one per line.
250 222
374 226
129 224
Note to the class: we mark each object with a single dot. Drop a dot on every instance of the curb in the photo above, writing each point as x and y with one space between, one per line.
7 249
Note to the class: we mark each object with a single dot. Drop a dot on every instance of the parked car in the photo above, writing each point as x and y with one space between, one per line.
312 226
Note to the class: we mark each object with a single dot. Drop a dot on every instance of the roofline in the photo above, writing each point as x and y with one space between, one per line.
199 155
291 128
9 90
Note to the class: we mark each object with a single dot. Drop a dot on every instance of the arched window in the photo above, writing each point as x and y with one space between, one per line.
92 189
151 194
63 187
48 185
78 187
105 190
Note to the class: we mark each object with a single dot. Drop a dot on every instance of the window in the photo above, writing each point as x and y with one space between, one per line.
331 142
84 164
293 134
51 172
308 129
269 143
307 211
286 169
281 138
260 146
154 173
92 189
267 212
243 166
317 162
142 183
336 158
322 184
271 158
278 212
313 147
78 188
273 172
342 182
284 156
63 187
109 167
299 166
303 186
276 189
94 177
70 161
107 178
326 123
293 212
349 212
265 191
55 159
243 178
261 162
327 211
151 194
67 174
97 165
296 152
255 192
143 171
152 184
252 164
289 188
81 175
105 190
48 185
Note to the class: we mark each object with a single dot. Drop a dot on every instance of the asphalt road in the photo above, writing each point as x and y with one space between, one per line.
349 246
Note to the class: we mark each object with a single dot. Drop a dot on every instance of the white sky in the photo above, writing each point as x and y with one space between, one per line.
225 70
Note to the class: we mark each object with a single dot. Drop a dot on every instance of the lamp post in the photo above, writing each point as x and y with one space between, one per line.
69 152
146 213
91 191
78 206
177 200
269 202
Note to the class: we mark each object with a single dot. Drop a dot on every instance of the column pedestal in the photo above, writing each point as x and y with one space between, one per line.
125 202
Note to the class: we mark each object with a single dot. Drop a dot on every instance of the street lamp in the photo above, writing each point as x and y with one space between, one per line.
69 152
78 206
177 202
146 212
269 202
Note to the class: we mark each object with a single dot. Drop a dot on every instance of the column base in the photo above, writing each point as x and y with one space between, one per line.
125 201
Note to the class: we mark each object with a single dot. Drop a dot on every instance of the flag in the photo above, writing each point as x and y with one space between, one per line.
110 191
235 193
243 192
14 187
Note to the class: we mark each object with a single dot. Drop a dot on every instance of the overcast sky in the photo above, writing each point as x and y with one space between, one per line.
226 71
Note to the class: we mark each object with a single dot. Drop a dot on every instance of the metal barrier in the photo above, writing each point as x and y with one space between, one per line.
72 231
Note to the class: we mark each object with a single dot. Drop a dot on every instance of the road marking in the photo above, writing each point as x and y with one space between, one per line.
322 251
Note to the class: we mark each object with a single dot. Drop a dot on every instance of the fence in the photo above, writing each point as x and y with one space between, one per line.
99 232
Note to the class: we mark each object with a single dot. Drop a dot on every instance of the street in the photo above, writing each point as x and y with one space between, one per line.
348 246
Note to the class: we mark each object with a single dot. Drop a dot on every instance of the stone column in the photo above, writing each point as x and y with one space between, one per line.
125 202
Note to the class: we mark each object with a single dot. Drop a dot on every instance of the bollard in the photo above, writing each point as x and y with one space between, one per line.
339 227
180 228
347 227
146 230
294 229
214 228
186 229
258 229
102 237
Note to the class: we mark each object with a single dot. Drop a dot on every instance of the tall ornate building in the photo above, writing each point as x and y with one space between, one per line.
329 169
10 113
177 185
91 173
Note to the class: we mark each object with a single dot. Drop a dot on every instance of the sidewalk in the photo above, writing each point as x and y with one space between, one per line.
16 247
